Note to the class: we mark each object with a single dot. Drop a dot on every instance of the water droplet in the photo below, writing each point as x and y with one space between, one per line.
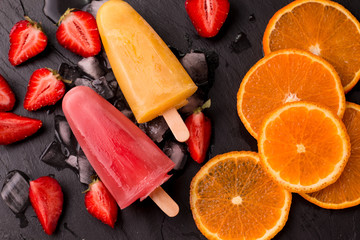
23 220
240 43
50 109
252 18
69 230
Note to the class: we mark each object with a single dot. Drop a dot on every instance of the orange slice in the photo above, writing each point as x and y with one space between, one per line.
345 192
232 197
303 146
322 27
287 76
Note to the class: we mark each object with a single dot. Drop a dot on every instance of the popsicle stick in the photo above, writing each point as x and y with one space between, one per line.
165 202
176 125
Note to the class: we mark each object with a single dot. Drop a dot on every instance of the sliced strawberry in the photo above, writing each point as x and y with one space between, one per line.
78 32
14 128
7 97
47 199
27 40
101 204
200 132
45 88
207 16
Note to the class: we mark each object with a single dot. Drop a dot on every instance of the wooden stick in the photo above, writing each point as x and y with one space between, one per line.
177 125
165 202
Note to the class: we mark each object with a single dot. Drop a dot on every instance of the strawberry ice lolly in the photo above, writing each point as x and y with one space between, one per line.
130 165
150 76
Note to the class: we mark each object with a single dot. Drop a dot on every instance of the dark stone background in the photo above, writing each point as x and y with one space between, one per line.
144 220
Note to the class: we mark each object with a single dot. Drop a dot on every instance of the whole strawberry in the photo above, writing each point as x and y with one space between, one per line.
78 33
27 40
45 88
7 97
207 16
14 128
47 199
100 203
200 132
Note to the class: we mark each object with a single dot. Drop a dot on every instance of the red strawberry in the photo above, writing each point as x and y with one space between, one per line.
45 88
27 40
78 32
207 16
7 97
14 128
200 132
47 200
101 204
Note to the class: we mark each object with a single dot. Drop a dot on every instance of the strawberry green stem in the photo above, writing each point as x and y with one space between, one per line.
68 11
207 104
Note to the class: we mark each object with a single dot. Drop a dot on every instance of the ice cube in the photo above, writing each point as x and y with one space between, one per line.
102 88
111 80
123 107
72 161
91 66
240 44
196 66
64 135
53 156
142 127
86 171
15 191
94 6
99 85
129 114
114 86
177 152
110 76
156 128
195 101
121 104
105 57
70 72
83 82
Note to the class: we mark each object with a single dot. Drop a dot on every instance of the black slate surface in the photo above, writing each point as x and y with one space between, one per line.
144 220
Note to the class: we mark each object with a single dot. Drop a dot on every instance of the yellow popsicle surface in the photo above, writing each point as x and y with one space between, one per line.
150 76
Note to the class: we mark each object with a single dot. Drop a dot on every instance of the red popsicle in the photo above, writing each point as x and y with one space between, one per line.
130 165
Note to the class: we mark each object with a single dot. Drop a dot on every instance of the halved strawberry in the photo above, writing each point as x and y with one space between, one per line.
27 40
7 97
45 88
200 132
47 199
101 204
14 128
78 32
207 16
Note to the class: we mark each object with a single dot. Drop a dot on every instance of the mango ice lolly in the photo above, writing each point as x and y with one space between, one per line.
150 76
130 165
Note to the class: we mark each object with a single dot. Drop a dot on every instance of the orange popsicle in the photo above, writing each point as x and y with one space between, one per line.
150 76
